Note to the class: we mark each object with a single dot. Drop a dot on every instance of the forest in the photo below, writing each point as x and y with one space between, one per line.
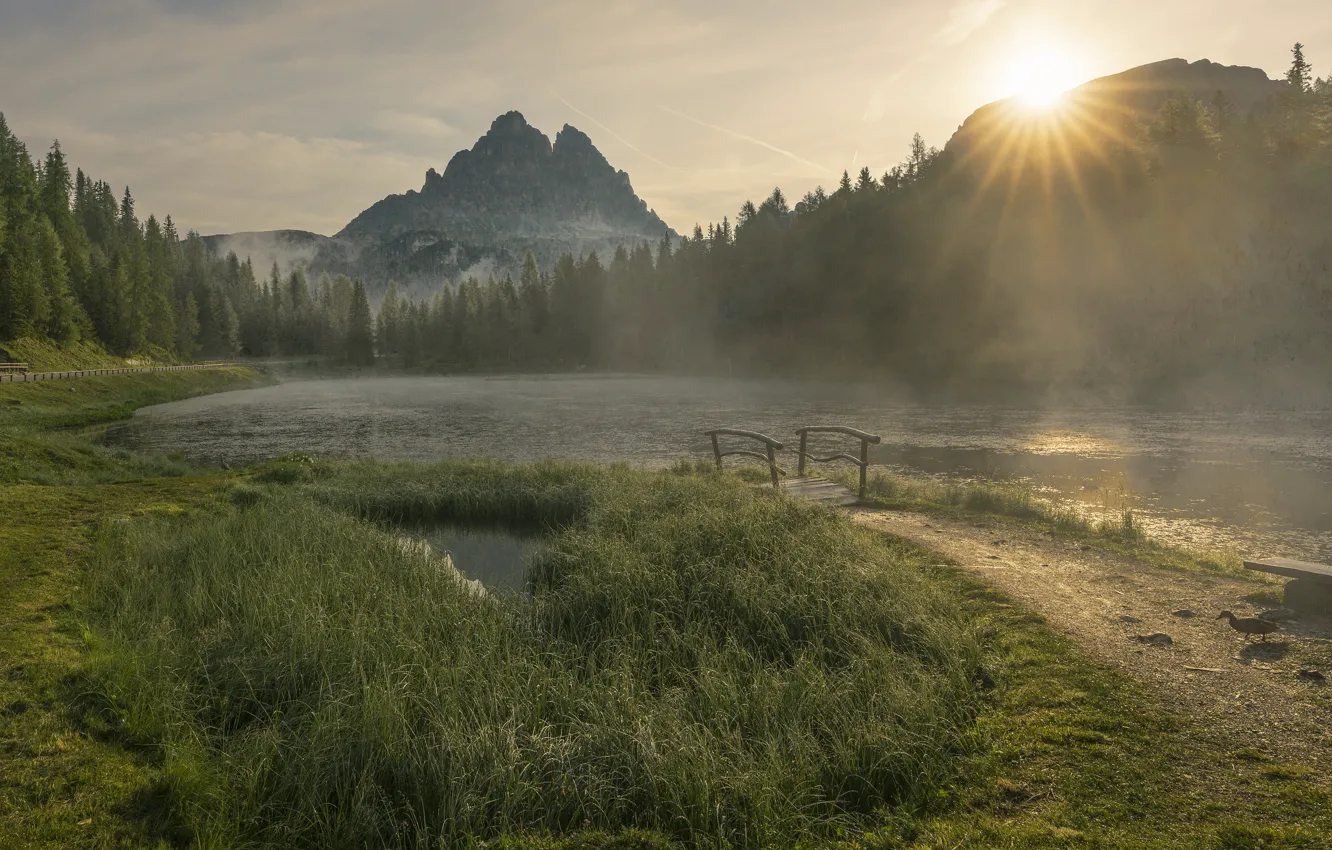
1077 252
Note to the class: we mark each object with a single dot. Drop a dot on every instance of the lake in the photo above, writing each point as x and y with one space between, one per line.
1258 482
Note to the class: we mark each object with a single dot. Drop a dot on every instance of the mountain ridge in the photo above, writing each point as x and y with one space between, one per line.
515 180
1132 95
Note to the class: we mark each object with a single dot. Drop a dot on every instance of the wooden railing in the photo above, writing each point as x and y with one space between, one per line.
862 461
14 367
773 446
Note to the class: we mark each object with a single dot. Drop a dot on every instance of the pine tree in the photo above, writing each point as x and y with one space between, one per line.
187 328
1300 76
360 346
24 304
865 182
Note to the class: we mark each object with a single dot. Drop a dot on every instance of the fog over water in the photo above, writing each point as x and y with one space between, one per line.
1259 482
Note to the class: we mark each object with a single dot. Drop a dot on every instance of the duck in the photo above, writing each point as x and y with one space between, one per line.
1249 625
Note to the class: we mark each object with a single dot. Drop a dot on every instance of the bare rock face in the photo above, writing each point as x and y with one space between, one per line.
515 191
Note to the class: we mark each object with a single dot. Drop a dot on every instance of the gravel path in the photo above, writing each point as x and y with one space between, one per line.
1247 691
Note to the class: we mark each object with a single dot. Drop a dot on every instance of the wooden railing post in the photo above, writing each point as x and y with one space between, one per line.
864 466
773 447
804 439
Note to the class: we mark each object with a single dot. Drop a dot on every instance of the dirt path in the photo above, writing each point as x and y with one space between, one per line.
1104 601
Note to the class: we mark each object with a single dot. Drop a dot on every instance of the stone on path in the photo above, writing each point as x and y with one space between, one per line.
1158 639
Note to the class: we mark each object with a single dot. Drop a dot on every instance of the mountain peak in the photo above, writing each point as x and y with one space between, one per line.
572 137
573 149
515 191
510 123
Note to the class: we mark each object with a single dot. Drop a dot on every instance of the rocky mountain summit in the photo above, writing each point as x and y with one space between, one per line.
512 192
515 183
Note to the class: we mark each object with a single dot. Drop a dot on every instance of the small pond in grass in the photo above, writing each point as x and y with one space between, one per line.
497 556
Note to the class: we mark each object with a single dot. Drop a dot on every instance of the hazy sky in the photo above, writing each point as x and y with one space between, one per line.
260 114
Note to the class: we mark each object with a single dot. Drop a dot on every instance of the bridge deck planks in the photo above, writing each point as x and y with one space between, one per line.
820 490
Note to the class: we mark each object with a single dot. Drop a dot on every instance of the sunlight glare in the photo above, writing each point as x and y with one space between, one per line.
1040 74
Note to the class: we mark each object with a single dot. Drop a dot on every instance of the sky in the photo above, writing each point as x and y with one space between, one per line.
238 115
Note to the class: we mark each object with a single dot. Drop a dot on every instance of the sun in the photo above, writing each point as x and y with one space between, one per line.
1039 74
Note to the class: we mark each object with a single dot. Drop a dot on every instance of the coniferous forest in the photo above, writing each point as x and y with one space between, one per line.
1138 257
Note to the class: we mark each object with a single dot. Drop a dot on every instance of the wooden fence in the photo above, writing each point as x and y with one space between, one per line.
21 377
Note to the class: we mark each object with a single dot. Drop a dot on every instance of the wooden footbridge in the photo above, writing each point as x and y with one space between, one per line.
813 488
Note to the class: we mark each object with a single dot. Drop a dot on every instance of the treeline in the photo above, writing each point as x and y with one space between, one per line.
77 263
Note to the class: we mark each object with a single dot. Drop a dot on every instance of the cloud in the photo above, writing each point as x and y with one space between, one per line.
219 182
245 114
413 124
614 135
819 168
964 19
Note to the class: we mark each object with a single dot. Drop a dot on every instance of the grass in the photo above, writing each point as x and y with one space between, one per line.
1017 504
46 405
62 784
698 660
1045 748
45 357
38 443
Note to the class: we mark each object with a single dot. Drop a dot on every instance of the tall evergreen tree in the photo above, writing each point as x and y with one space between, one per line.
360 347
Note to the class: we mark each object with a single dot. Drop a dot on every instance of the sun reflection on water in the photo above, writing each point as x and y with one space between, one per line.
1059 442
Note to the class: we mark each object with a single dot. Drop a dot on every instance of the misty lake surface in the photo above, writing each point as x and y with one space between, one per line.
1255 482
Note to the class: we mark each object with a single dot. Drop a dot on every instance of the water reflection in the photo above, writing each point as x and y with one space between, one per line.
1259 481
497 557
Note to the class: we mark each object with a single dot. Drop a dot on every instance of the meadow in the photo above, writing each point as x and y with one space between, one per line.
249 658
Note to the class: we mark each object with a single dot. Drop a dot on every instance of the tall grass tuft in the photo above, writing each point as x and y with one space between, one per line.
698 659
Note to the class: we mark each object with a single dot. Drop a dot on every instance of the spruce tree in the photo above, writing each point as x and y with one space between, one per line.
360 346
1300 75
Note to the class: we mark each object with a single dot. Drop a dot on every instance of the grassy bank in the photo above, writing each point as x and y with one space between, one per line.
38 447
61 785
1016 504
44 357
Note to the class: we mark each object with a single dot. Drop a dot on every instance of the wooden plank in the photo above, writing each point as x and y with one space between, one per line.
1292 568
820 491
